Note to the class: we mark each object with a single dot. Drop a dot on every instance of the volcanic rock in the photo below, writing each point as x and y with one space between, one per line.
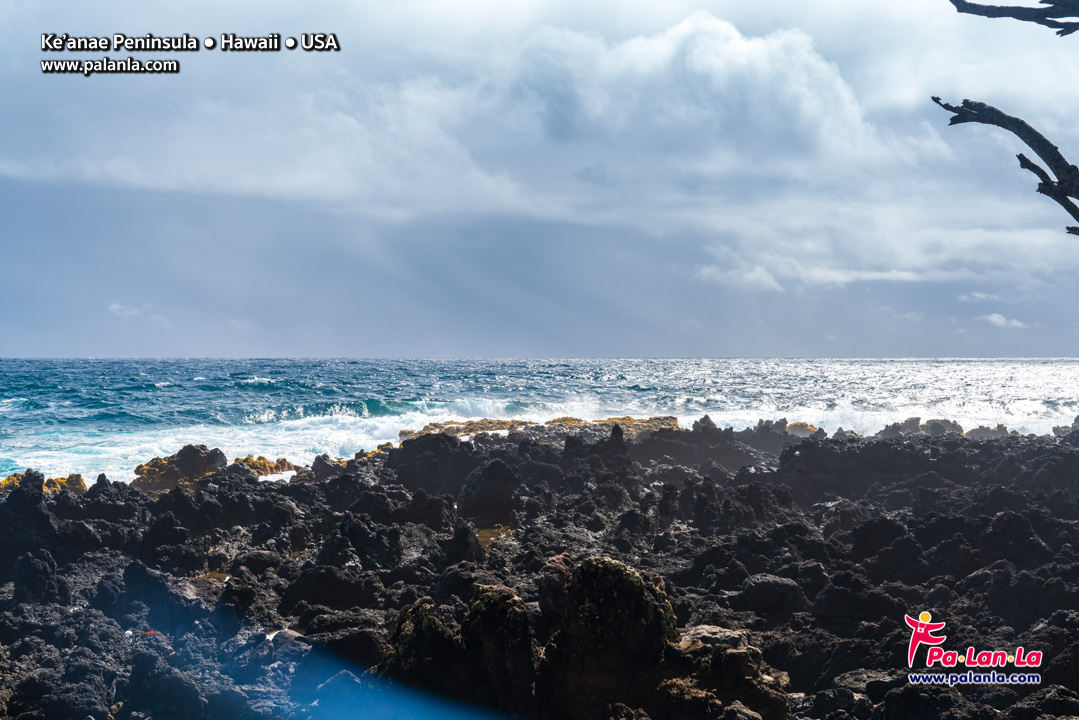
183 468
487 495
703 573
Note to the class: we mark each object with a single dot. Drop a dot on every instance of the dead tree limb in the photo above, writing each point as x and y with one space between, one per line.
1048 16
1063 188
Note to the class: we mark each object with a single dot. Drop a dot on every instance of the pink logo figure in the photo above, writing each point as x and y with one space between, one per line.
922 633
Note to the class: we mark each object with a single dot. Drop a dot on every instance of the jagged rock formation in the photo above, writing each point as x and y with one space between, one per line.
699 573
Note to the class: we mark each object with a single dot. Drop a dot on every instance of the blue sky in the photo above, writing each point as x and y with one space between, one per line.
625 178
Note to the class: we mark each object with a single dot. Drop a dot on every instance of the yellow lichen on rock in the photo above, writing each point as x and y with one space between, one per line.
11 482
621 420
983 432
801 429
262 466
567 422
384 447
915 426
179 470
467 427
302 477
941 427
154 475
72 482
631 426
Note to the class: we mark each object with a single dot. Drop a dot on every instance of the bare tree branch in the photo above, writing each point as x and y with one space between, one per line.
1048 16
1066 184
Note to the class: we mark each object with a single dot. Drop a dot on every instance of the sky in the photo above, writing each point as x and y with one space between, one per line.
536 178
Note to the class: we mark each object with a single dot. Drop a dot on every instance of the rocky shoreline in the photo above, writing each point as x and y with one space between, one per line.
551 571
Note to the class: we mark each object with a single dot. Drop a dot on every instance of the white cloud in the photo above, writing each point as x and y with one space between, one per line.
976 297
239 324
148 315
998 320
145 314
124 311
812 150
751 278
734 270
539 127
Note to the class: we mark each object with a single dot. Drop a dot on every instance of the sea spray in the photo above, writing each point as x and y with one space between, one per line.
91 416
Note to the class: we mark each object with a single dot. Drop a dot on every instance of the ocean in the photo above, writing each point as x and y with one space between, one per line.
61 416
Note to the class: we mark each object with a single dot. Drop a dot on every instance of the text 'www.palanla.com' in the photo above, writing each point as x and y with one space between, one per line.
974 678
107 65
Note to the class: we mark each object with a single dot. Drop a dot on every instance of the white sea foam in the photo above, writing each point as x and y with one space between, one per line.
117 454
299 440
278 477
860 396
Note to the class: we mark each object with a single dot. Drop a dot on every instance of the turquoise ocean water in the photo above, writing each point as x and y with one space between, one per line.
92 416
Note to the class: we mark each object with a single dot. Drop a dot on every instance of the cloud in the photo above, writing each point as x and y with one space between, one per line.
541 127
976 297
698 127
826 275
124 311
238 324
700 90
998 320
750 278
146 314
790 151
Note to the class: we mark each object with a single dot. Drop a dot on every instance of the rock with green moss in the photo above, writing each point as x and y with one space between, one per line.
491 661
425 652
617 626
614 609
501 648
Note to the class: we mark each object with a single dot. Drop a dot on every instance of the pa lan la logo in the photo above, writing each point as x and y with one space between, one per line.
922 630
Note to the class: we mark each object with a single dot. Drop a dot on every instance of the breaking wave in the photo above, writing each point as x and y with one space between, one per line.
92 416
